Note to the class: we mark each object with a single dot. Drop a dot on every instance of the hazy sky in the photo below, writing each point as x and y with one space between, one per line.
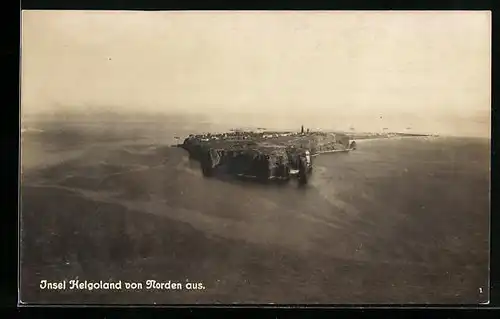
427 70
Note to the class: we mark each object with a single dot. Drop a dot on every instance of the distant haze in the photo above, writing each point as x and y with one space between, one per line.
428 71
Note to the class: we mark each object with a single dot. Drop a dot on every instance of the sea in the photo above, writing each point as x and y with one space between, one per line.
401 220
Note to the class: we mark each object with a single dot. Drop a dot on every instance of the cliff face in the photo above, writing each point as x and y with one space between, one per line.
265 155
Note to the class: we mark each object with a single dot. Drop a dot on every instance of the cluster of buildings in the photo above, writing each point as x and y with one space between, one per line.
246 135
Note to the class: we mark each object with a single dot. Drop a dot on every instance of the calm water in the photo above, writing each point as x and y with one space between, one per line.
401 220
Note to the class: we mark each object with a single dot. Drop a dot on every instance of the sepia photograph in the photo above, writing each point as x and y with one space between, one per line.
255 157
